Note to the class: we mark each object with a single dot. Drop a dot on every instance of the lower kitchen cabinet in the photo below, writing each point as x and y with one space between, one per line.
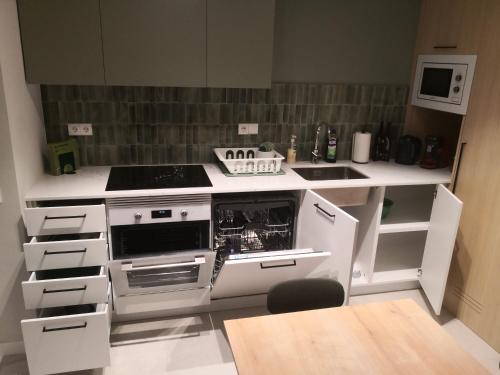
66 251
412 247
324 243
68 338
48 219
68 287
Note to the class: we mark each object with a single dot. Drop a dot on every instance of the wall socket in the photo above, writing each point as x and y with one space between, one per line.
80 129
248 129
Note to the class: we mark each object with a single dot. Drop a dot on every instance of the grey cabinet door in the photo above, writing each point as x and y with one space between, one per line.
61 41
154 42
240 43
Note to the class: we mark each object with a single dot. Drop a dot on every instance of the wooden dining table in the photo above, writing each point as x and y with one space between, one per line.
396 337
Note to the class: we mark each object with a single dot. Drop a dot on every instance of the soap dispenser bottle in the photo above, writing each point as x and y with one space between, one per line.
331 146
291 156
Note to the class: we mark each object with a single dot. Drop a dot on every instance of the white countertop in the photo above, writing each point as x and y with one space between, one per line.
90 182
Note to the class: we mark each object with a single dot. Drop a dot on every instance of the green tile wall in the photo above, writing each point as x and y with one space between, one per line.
150 125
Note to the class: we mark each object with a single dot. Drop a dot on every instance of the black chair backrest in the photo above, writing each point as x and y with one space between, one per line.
304 294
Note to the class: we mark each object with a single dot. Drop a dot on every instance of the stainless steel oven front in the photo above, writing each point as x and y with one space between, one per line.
160 244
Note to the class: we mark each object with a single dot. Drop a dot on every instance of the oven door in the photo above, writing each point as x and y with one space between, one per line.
175 272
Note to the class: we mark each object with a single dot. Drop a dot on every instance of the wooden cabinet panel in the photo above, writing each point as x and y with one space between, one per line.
472 291
450 26
154 42
240 43
61 41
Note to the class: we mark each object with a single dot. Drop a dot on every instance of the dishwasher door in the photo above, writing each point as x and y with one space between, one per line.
250 274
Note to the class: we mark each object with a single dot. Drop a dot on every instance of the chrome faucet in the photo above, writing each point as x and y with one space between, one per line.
315 154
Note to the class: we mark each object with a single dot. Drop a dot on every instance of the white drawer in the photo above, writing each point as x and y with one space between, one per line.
161 301
65 287
67 339
66 251
67 219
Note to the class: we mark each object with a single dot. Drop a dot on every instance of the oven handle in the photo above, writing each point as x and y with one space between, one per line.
130 267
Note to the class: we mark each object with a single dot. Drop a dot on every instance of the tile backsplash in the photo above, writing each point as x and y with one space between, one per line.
150 125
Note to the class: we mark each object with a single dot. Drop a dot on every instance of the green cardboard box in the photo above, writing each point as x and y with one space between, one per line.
64 157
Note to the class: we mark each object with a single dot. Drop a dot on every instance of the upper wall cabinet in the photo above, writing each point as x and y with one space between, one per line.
240 43
61 41
450 26
154 42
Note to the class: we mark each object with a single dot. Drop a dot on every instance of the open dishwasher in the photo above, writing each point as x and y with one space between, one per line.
261 239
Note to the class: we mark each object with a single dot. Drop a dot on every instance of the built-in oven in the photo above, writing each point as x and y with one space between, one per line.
160 250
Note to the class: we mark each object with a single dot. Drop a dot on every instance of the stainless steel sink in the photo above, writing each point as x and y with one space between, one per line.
328 173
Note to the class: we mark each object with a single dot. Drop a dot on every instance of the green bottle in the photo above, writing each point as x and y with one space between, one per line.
331 147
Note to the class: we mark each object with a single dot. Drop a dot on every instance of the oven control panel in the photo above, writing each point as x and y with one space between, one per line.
165 214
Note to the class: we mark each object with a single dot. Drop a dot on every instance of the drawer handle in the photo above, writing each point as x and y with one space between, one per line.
45 291
46 252
66 217
445 46
45 329
324 211
262 266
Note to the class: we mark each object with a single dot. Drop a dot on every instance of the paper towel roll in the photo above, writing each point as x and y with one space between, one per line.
361 147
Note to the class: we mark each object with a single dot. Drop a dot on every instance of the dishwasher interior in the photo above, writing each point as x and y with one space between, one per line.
249 225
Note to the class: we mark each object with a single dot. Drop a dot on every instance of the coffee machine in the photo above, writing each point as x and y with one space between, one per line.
434 155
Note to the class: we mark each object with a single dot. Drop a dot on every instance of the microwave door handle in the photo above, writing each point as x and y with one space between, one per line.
130 267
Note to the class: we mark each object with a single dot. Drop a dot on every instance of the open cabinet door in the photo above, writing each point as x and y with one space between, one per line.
439 245
323 226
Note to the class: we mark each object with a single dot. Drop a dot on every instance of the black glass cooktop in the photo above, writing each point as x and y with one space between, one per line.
157 177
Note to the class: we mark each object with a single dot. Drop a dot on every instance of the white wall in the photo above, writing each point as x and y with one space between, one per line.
352 41
22 139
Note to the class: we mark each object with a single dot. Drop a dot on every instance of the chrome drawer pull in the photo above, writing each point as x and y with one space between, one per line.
279 265
324 211
46 252
45 291
65 217
45 329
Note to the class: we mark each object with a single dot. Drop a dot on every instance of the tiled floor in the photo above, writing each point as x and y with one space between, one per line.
197 345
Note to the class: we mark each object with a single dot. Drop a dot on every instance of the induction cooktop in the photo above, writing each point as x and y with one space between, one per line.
157 177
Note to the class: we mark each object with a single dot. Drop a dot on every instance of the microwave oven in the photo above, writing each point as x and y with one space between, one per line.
443 82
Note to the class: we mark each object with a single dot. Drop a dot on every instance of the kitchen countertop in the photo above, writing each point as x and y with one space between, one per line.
90 182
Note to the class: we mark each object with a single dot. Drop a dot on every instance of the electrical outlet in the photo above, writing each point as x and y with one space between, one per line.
253 129
80 129
242 129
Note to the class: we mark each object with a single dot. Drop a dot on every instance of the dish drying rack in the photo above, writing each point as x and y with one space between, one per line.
239 161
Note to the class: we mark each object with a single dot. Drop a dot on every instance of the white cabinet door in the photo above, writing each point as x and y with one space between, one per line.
243 277
325 227
439 245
